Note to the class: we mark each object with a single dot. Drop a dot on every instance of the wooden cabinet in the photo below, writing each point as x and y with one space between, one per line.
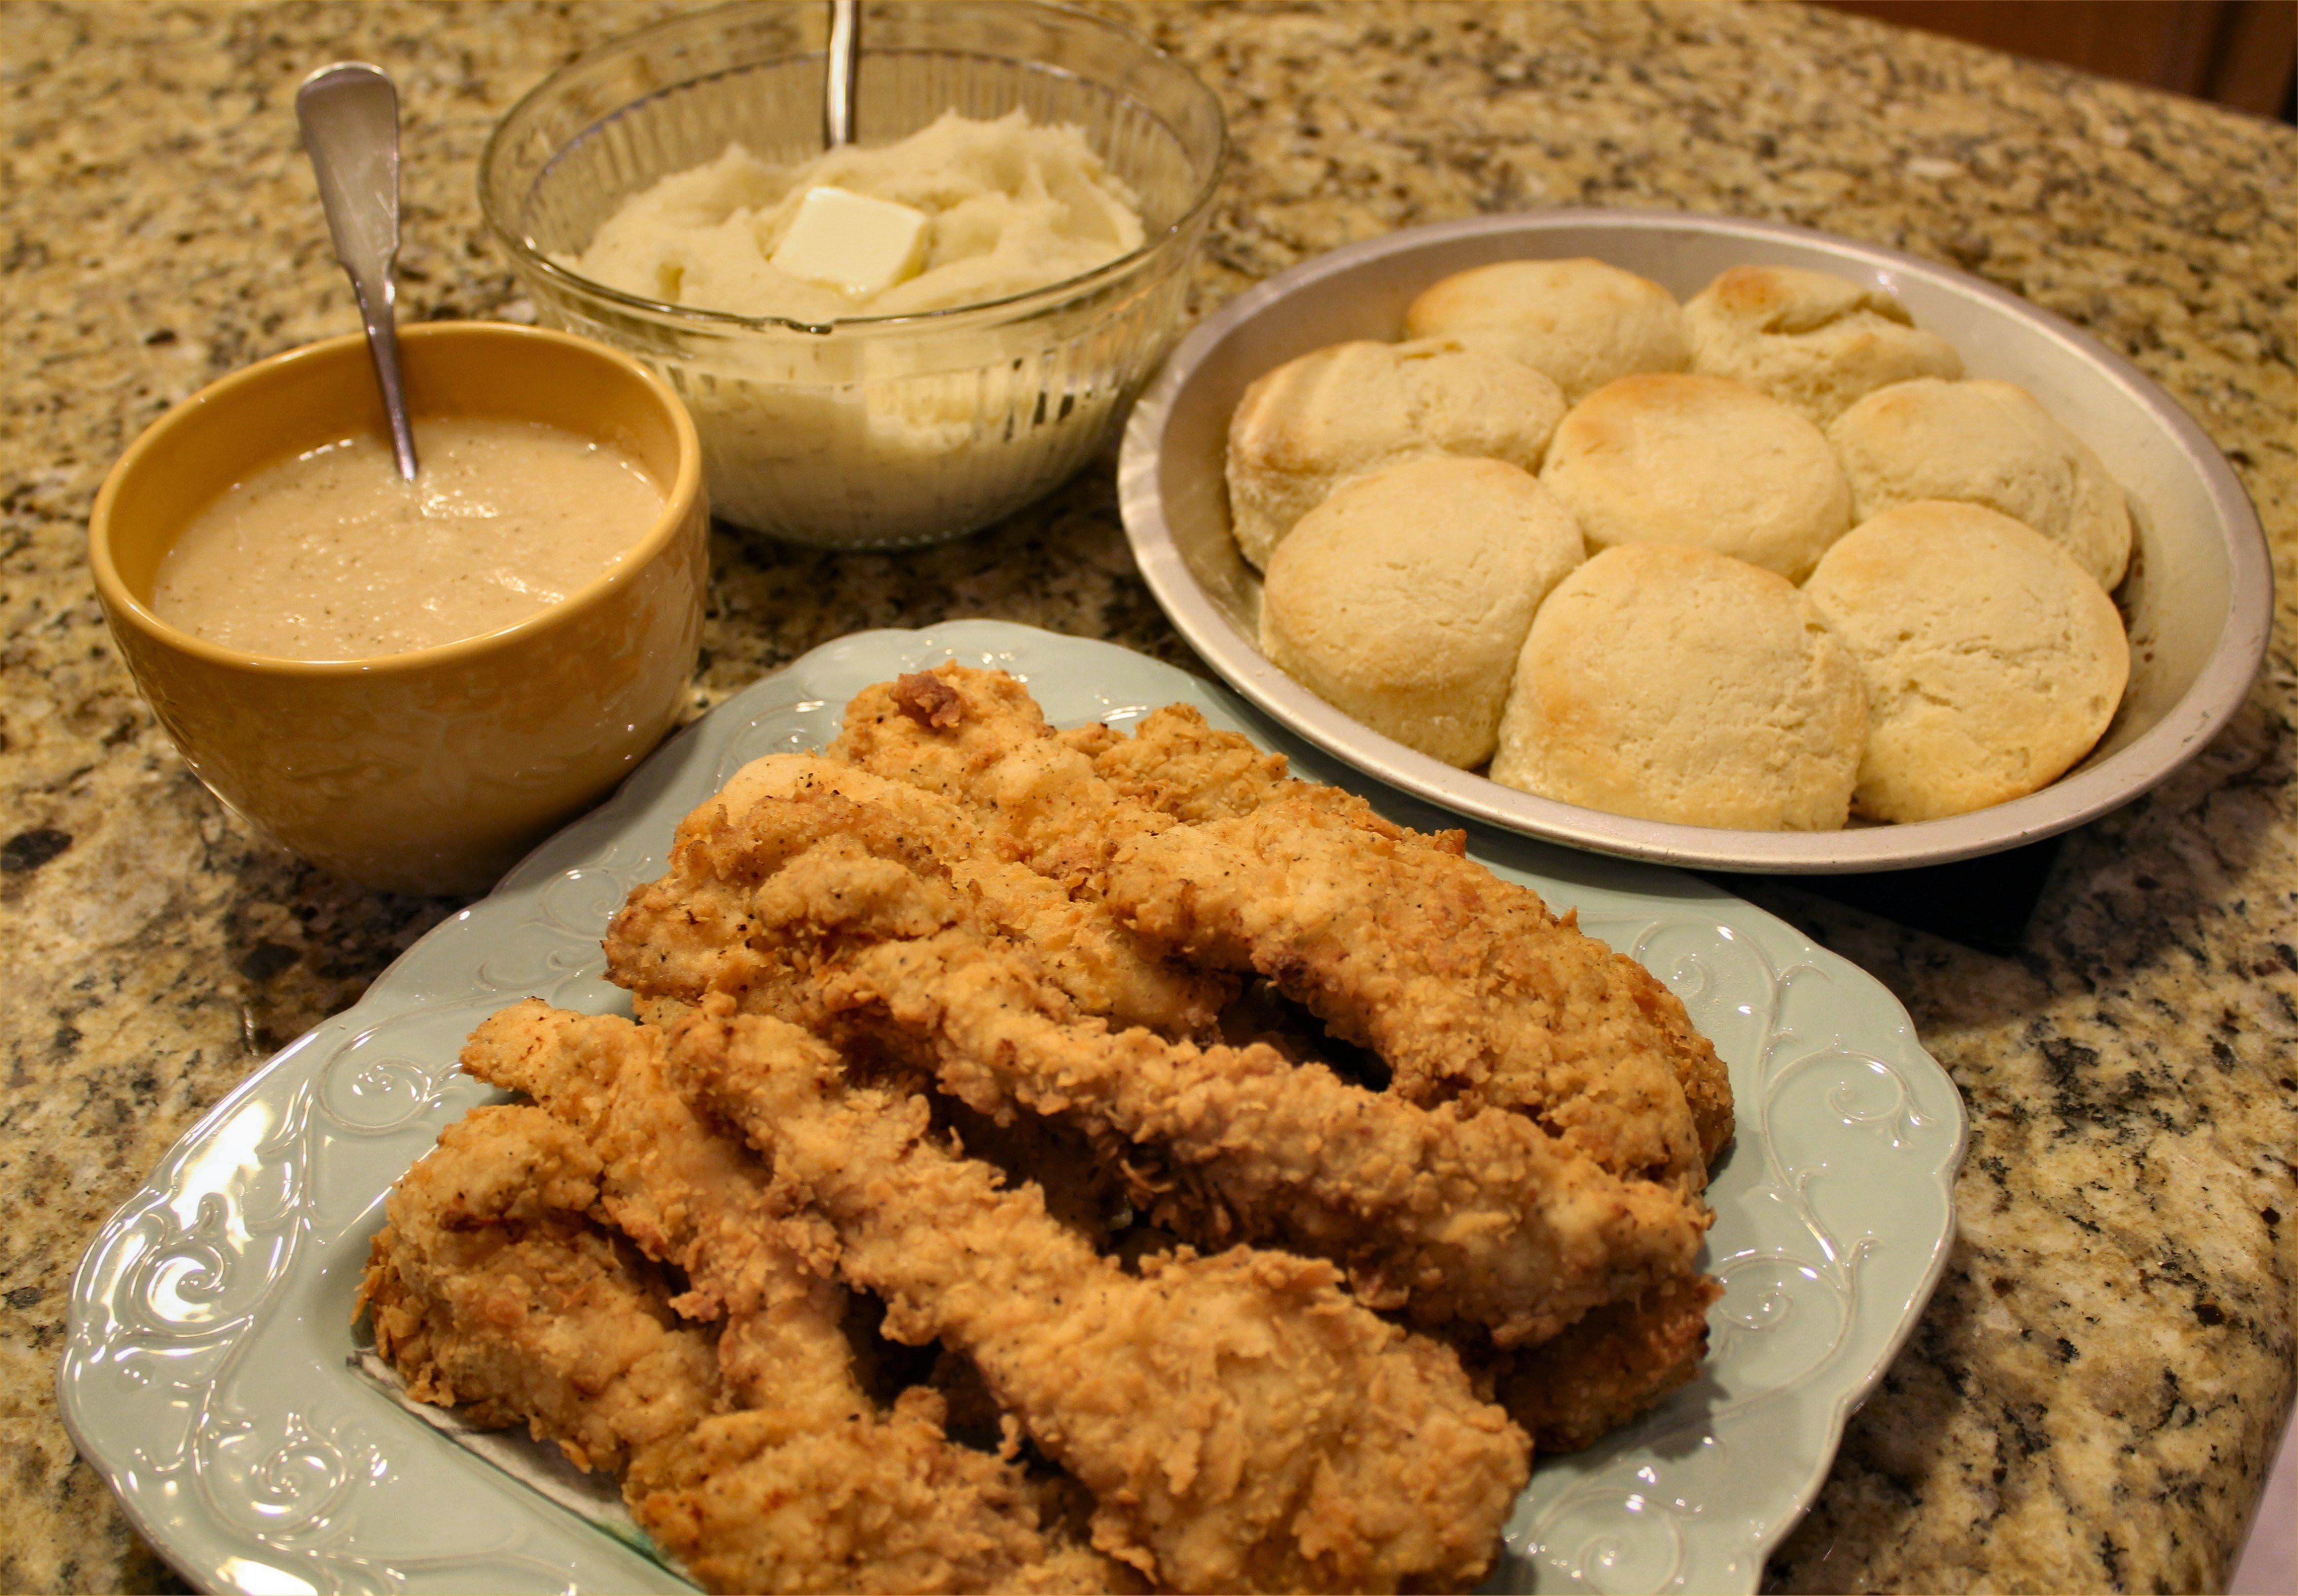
2242 54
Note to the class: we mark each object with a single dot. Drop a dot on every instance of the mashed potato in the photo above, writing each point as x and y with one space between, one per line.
875 435
1011 207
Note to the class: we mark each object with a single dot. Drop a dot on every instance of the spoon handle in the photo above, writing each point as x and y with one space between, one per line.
845 58
350 116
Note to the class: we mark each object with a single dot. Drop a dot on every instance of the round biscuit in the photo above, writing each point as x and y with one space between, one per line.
1809 339
1993 662
1402 598
1313 422
1985 442
1678 685
1670 458
1582 321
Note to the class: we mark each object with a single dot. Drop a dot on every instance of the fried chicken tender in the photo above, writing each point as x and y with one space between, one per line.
978 737
1098 963
1046 928
1451 1214
764 1500
1176 763
1621 1359
707 926
1613 1365
1241 1422
688 1195
700 930
1464 984
809 1487
1447 1214
1388 930
491 1289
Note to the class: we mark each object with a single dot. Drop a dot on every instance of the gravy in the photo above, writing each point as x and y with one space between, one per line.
331 556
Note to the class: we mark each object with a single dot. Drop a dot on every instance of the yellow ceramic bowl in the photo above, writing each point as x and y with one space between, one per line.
435 770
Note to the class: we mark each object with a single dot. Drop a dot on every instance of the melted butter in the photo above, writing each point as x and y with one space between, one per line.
330 556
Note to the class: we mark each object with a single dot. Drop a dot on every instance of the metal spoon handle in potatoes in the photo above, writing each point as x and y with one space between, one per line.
350 116
844 59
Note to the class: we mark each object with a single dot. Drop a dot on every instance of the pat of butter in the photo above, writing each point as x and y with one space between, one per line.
853 242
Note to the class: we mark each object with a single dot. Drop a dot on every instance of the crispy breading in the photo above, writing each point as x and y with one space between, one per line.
1177 762
671 944
688 1196
491 1289
1241 1422
1464 983
764 1501
1613 1365
809 1487
984 741
1451 1214
1447 1214
1100 964
967 961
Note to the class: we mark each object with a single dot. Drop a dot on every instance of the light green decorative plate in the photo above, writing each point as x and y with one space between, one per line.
213 1375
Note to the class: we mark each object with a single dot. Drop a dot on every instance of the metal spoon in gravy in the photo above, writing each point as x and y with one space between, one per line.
350 116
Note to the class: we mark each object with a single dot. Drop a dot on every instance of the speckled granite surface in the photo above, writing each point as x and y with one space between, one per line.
2092 1398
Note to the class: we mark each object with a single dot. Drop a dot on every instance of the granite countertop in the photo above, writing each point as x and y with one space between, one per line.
2092 1396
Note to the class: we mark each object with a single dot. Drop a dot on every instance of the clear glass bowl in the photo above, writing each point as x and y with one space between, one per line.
869 432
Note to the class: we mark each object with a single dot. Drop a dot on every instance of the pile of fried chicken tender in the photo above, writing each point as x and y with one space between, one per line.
1002 1044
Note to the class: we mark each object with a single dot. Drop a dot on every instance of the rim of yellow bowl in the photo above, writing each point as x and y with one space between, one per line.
678 500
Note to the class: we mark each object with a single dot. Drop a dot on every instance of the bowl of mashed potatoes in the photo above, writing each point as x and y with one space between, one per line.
901 340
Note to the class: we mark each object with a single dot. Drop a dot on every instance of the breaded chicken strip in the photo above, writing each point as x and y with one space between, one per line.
709 925
1452 1215
1464 984
689 1195
1446 1214
1178 764
763 1500
1175 762
1100 964
491 1289
1613 1365
978 737
1241 1422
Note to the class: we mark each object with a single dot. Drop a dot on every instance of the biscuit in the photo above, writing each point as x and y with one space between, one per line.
1677 458
1581 322
1809 339
1679 685
1402 598
1984 442
1993 662
1313 422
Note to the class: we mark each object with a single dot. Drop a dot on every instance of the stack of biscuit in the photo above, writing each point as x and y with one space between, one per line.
1763 560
